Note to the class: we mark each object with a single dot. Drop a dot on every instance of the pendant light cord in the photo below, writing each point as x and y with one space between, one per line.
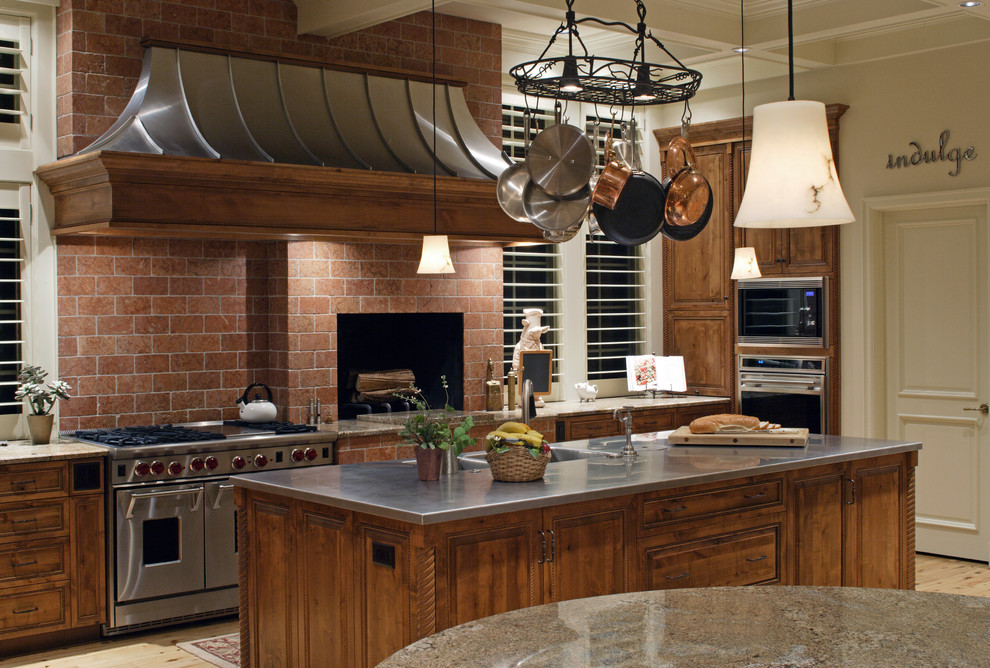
790 46
433 27
742 64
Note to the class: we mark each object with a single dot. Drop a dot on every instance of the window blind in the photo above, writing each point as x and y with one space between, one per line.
513 129
531 278
11 82
616 303
11 262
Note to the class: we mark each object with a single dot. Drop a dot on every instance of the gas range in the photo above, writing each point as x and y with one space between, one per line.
146 454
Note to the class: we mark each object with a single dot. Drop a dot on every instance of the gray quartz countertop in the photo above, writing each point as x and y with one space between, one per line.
20 452
722 626
392 489
385 423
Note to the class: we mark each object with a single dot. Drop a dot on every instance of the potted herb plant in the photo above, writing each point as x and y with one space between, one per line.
41 398
432 433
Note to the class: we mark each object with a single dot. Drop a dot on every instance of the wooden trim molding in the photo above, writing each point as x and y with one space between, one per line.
135 194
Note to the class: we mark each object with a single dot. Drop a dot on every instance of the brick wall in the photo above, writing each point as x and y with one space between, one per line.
99 52
157 331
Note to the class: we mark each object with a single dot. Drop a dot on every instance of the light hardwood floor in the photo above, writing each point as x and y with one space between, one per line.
157 648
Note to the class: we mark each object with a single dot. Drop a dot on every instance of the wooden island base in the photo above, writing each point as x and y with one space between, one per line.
326 586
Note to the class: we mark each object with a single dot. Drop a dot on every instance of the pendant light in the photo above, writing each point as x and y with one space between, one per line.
745 264
435 258
792 180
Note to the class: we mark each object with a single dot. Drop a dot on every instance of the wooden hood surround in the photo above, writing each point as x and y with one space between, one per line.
231 145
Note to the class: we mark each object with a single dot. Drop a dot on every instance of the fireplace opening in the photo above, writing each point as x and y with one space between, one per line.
431 345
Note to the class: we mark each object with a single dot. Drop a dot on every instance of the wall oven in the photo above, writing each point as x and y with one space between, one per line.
791 391
782 311
172 549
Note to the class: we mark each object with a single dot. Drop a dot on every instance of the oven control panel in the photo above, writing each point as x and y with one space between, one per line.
160 466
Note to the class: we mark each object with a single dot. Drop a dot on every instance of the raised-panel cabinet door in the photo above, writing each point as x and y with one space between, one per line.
588 549
88 547
879 526
765 242
817 521
492 566
696 272
323 579
705 342
808 250
384 623
271 600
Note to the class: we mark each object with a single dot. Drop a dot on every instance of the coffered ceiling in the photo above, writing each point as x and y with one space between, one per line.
701 33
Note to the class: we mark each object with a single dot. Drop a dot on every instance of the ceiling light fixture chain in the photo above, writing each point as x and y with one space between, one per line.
583 77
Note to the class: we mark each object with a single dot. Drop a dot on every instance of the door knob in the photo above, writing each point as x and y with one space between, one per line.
983 408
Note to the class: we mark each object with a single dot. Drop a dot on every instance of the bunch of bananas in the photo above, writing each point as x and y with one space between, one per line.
511 434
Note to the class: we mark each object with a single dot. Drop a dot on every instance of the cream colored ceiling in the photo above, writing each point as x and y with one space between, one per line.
701 33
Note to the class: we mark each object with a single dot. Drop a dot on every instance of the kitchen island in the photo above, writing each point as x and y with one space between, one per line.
374 559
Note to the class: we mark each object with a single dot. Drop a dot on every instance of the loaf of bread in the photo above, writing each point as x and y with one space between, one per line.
724 422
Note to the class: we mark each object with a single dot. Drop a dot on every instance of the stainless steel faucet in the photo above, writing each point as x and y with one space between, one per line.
624 415
526 397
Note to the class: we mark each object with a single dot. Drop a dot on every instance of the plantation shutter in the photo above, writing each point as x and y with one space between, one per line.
13 219
531 278
616 302
13 70
513 129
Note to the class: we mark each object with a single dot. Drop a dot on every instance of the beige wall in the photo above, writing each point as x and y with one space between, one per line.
891 102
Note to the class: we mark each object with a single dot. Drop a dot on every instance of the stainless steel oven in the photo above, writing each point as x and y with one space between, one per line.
791 391
171 516
782 312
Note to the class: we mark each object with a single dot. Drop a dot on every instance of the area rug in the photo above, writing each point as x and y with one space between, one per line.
223 651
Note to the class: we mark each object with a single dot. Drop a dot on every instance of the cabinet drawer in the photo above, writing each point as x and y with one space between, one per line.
27 481
27 561
579 429
37 518
735 559
646 421
665 510
28 608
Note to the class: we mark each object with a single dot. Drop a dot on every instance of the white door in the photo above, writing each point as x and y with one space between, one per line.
937 369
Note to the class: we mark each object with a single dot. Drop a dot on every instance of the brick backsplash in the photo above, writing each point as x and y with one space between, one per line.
158 331
99 52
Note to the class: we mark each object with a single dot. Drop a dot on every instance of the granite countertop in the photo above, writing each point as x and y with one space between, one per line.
61 447
722 626
391 489
390 423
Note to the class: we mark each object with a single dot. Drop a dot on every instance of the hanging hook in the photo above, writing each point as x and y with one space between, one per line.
685 119
557 112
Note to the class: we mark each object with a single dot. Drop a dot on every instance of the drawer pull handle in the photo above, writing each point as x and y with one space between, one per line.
25 563
677 577
760 558
23 482
30 519
674 510
756 496
24 612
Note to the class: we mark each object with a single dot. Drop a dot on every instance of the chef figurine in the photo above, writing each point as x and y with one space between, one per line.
530 338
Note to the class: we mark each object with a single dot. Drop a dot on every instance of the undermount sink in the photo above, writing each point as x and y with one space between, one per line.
476 460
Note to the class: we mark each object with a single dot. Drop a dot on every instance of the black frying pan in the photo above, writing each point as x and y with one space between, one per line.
638 214
685 232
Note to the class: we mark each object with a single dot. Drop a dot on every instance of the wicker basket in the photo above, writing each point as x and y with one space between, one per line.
517 465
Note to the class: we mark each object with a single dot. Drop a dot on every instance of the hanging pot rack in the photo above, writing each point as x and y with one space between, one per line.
583 77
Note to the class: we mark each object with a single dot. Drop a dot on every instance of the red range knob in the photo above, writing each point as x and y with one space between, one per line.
238 462
196 464
142 469
310 454
260 461
175 468
297 455
212 463
157 468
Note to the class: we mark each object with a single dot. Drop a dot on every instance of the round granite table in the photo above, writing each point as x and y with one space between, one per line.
722 626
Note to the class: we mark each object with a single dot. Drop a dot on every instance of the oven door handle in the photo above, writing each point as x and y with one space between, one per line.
129 515
220 490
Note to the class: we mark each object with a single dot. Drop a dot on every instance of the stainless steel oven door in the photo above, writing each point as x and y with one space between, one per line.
159 540
221 535
789 399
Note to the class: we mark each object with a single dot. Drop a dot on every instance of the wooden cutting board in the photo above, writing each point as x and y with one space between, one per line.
788 437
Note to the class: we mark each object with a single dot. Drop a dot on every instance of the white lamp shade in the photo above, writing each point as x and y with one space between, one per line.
436 256
792 180
745 264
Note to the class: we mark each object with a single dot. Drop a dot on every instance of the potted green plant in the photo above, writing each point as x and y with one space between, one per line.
432 432
41 399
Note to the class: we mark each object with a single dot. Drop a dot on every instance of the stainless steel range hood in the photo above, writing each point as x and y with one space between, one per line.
214 105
